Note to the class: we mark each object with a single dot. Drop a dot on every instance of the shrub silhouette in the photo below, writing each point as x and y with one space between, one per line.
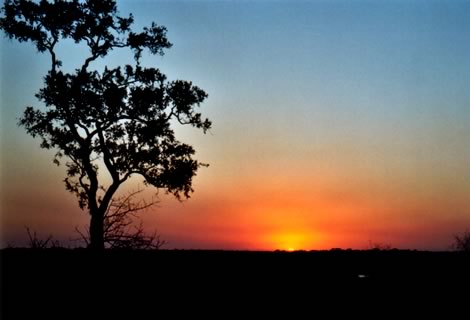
36 243
462 242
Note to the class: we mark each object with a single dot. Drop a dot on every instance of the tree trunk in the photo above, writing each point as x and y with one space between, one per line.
96 231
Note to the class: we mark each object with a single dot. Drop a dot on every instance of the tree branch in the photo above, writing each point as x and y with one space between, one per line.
54 62
106 155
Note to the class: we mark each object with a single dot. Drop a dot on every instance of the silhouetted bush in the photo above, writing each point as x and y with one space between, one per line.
36 243
462 242
378 246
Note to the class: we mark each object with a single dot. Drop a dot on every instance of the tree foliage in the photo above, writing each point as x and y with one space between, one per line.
121 117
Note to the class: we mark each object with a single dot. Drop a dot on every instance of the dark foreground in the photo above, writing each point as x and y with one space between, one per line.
76 283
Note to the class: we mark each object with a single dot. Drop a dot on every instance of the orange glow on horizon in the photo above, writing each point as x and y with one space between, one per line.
267 220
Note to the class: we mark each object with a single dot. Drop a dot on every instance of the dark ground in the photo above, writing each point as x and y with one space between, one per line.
72 283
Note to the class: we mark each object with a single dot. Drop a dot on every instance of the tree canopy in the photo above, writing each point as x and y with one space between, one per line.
122 118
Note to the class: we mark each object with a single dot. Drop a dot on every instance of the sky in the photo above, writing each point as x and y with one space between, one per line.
335 124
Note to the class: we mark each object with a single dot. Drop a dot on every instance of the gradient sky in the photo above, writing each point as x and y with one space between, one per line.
336 123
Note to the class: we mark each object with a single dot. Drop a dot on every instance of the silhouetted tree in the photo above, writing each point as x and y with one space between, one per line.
120 116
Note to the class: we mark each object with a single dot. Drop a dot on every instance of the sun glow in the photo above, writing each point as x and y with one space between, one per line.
292 241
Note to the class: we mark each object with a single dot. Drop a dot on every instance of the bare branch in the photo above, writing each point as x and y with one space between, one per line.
121 230
37 243
85 237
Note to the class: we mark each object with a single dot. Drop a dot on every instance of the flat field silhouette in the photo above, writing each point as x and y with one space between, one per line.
42 282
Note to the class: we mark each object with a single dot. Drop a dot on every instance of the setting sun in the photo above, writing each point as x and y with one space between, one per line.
292 241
